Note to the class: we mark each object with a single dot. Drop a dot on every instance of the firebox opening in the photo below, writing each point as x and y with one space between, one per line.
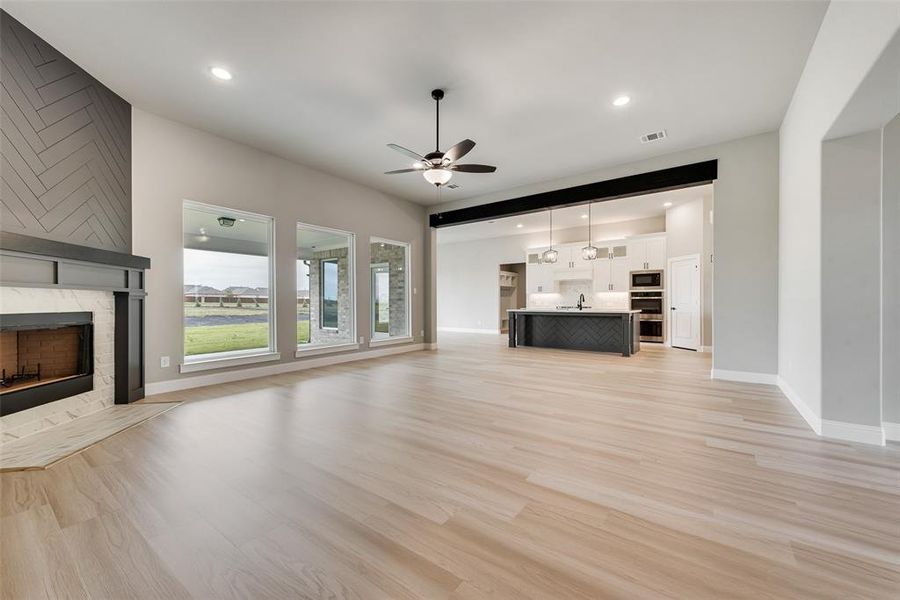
44 357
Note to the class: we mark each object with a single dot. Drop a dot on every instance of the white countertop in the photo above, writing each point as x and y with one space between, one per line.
604 311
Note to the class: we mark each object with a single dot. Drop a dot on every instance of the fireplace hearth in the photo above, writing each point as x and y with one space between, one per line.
44 357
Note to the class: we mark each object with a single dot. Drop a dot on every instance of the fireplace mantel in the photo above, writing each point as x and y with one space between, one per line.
27 261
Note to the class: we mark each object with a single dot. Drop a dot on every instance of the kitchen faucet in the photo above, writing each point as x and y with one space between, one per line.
580 304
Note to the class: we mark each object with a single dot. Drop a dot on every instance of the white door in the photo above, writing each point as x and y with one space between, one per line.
684 290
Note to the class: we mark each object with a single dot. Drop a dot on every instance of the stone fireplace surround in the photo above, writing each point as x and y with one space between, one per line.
38 275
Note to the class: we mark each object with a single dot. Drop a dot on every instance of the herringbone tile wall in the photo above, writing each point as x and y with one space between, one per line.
65 146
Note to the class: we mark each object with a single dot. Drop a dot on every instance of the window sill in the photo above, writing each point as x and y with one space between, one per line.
229 361
315 350
390 341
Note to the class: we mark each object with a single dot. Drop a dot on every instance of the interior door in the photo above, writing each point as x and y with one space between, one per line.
684 290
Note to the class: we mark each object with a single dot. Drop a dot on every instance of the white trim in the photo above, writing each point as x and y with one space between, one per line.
811 418
853 432
390 341
303 351
705 349
468 330
891 431
431 346
744 376
233 361
186 383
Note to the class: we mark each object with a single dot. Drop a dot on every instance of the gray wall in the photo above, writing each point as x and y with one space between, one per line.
850 40
66 147
890 269
851 274
173 162
745 243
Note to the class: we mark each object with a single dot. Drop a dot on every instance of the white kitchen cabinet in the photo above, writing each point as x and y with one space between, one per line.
570 265
611 274
538 275
647 253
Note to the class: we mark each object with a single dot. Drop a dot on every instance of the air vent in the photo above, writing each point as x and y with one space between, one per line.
653 137
453 186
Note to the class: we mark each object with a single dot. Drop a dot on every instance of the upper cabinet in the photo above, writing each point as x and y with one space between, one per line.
570 265
538 275
647 253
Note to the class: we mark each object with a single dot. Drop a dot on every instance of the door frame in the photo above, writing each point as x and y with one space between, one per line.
668 298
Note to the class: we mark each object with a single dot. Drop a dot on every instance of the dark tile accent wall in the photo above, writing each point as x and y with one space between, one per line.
65 146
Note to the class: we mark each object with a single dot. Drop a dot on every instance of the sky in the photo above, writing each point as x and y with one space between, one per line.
221 270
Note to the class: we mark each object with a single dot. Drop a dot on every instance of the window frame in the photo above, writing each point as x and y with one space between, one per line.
408 337
310 349
213 360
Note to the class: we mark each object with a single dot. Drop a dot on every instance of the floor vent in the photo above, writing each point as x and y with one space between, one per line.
653 137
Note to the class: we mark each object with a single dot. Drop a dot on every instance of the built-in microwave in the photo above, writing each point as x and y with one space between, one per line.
646 280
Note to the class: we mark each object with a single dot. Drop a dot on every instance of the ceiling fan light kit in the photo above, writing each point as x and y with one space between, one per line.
438 167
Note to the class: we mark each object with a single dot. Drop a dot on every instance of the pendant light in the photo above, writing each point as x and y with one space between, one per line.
590 251
550 256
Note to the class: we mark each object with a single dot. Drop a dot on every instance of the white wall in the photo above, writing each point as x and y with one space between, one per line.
468 292
173 162
890 269
851 39
745 242
851 277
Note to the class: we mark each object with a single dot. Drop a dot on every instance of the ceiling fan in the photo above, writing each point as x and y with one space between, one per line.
438 167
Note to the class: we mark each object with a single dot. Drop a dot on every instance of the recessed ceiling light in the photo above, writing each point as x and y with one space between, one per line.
667 204
220 73
519 225
621 101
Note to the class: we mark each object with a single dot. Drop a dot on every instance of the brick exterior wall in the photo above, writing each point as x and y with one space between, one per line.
395 257
344 333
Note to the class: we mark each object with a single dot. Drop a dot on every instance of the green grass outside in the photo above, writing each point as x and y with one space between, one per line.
225 338
190 310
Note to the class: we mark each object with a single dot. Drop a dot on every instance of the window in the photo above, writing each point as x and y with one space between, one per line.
228 283
325 287
328 293
389 267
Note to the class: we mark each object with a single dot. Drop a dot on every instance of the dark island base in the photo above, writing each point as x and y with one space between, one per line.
598 332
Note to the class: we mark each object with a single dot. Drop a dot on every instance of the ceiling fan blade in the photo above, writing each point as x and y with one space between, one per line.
401 171
472 168
458 151
406 151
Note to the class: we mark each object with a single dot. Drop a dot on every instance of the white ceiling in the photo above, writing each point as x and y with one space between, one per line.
611 211
329 84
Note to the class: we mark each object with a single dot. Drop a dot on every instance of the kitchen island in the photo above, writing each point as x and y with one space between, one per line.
606 330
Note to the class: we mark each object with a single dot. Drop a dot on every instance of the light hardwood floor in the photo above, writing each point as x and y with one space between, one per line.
472 472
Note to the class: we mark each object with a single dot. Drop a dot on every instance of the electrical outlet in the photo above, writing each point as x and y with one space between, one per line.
163 361
362 340
422 332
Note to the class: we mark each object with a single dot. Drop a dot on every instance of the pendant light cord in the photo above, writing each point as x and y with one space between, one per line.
551 229
590 237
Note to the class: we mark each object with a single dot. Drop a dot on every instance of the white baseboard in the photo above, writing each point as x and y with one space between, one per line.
814 421
431 346
705 349
852 432
468 330
744 376
186 383
891 431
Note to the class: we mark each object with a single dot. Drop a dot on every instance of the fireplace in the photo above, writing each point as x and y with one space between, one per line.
44 357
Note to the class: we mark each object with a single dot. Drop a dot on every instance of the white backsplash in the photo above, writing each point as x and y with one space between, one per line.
568 296
35 300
